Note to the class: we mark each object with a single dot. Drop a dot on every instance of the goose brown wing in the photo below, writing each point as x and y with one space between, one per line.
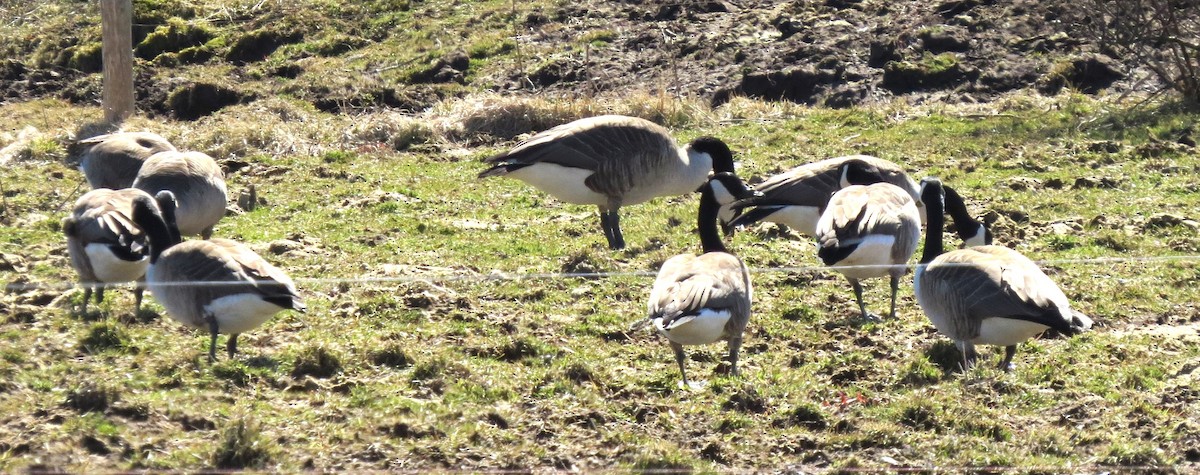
271 282
713 280
806 185
858 211
1000 282
621 150
104 216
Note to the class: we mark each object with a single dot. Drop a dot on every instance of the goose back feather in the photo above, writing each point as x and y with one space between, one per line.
197 183
113 160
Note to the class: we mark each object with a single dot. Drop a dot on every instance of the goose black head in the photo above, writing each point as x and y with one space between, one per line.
728 188
722 157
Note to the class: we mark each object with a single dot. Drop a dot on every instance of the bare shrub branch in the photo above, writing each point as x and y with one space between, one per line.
1158 35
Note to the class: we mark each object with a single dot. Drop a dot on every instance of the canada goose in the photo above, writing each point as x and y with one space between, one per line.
971 231
987 295
219 285
611 161
196 182
113 160
697 300
798 197
105 246
869 231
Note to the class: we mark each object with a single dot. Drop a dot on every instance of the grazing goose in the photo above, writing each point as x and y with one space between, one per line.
697 300
797 198
971 231
196 182
987 295
105 246
113 160
219 285
611 161
869 231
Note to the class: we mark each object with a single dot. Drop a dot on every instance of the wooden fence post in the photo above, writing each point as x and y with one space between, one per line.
116 18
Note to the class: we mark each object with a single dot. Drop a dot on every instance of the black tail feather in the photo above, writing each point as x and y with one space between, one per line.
755 215
502 169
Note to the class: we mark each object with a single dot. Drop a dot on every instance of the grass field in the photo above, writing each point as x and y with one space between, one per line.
440 334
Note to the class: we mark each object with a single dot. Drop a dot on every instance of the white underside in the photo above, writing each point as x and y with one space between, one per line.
111 269
872 258
800 218
567 184
564 183
1006 331
241 312
702 329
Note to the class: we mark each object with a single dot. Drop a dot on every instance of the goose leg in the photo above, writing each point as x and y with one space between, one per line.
1006 364
606 226
735 346
679 357
612 229
99 294
206 233
87 295
231 345
895 288
137 299
968 354
862 307
616 226
212 344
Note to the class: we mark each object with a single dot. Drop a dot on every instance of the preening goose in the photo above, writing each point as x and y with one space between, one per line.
195 180
987 295
869 231
218 285
797 197
971 231
697 300
113 160
105 245
611 161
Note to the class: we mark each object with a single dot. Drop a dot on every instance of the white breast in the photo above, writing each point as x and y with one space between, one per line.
111 269
702 329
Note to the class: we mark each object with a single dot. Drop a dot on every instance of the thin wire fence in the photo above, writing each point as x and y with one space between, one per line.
466 275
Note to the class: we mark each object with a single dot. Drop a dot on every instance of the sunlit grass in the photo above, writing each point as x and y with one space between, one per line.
411 357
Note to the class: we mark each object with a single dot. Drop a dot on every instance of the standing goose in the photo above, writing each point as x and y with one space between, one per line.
105 245
797 198
219 285
113 160
869 231
611 161
196 182
987 295
697 300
